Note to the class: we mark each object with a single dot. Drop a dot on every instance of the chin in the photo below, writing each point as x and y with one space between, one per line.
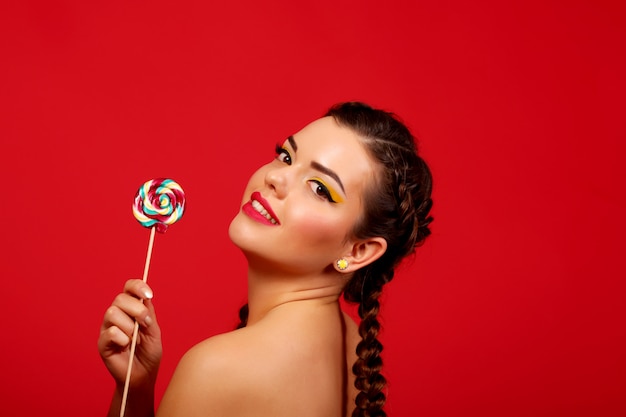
232 230
240 234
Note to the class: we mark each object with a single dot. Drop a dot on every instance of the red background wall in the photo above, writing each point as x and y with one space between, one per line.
514 307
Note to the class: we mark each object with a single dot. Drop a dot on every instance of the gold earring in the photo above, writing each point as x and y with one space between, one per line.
342 264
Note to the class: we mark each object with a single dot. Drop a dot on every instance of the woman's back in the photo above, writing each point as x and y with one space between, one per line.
296 361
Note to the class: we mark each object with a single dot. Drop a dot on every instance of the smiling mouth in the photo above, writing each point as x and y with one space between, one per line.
261 210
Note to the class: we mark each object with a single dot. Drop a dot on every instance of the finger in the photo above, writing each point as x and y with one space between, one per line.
115 317
117 337
133 308
112 340
138 289
151 312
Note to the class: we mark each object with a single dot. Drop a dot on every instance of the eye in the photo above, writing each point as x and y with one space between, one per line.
283 155
321 190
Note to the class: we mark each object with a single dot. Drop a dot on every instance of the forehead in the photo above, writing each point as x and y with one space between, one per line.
327 135
336 147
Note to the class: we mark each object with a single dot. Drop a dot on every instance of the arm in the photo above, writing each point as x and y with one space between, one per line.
114 347
138 404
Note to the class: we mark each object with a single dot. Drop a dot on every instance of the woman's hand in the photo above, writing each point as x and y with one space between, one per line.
116 334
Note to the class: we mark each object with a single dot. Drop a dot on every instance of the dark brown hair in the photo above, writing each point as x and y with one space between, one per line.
397 208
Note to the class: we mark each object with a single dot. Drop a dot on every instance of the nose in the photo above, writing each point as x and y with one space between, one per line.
277 179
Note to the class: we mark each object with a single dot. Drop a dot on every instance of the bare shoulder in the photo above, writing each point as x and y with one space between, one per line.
255 363
210 378
282 367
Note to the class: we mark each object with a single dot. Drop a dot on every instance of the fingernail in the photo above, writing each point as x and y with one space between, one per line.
148 321
148 294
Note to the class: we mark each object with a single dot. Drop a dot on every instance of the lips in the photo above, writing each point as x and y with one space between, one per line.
259 209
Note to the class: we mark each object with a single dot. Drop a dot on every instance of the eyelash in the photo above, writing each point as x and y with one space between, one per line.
280 152
321 187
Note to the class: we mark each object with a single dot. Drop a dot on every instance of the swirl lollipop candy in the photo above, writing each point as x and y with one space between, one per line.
158 203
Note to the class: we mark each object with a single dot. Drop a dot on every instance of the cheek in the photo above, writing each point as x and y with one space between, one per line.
321 229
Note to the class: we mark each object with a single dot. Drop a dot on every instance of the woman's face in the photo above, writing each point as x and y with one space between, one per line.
298 210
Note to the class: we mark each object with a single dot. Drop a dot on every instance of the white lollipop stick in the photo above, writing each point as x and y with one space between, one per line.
133 343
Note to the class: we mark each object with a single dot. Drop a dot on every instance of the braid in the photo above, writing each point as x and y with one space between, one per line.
369 381
413 195
396 208
406 209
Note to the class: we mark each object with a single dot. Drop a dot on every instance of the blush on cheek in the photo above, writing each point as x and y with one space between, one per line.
316 229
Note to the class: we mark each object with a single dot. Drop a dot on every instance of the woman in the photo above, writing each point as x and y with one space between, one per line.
344 201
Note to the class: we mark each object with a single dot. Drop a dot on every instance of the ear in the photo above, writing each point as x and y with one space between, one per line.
363 253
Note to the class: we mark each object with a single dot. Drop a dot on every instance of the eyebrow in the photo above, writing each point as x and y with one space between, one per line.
317 165
329 172
292 142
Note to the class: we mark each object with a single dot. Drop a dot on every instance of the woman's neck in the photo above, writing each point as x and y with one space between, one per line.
268 290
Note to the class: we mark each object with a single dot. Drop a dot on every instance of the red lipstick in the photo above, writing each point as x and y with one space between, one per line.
260 210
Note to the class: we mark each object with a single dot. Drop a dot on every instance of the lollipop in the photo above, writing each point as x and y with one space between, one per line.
159 203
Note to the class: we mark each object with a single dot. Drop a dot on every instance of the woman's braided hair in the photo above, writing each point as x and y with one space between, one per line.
396 208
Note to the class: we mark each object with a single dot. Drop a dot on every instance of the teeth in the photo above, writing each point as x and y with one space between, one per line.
258 207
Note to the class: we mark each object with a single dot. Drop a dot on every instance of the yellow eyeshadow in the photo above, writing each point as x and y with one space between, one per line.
333 194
